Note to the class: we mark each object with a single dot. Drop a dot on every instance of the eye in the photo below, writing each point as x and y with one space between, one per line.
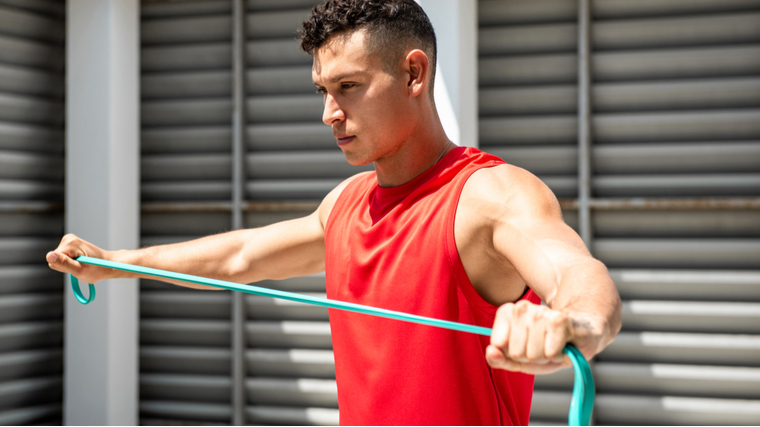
322 91
347 85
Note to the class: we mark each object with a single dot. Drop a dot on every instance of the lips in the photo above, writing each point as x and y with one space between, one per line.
343 139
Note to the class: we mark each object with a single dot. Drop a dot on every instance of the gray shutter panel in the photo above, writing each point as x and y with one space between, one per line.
186 90
676 96
292 155
675 101
31 210
291 164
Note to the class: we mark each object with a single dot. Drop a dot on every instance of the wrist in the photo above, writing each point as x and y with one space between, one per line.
590 332
122 256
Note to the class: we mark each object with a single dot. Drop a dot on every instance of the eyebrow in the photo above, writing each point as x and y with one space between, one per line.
340 77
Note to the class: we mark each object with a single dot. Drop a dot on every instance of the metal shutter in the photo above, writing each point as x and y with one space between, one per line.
31 210
675 162
292 163
291 157
289 161
186 91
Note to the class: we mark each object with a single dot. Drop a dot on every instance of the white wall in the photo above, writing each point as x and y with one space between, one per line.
102 205
456 83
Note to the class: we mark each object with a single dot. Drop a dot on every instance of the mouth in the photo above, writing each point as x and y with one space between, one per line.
344 139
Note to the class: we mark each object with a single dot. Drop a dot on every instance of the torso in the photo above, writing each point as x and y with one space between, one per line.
395 248
492 275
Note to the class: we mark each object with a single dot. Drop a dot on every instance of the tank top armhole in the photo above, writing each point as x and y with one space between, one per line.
343 198
453 252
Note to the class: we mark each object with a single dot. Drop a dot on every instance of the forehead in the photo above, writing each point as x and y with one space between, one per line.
342 54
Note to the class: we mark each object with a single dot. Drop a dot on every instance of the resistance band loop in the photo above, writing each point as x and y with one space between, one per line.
583 390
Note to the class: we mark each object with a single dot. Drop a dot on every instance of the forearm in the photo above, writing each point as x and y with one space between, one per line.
278 251
211 256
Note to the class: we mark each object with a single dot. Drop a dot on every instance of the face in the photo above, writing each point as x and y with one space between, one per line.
368 107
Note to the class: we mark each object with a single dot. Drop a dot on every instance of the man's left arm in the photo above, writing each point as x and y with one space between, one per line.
582 303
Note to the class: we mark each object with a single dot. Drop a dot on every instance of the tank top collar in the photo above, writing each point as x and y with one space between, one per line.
383 196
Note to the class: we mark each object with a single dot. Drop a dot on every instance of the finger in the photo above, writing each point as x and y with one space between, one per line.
536 336
496 359
518 337
557 336
61 262
51 257
500 331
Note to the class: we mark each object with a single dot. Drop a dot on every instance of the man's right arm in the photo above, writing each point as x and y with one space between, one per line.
277 251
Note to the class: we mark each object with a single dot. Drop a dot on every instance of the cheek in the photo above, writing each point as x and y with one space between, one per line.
391 107
380 113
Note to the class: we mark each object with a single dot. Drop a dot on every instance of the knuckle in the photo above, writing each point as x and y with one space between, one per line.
521 308
553 354
536 313
499 340
533 353
516 352
557 320
505 310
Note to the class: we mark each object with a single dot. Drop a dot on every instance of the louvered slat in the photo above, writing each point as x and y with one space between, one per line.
186 90
674 103
31 220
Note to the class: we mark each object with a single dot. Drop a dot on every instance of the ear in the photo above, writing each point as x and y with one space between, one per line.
417 65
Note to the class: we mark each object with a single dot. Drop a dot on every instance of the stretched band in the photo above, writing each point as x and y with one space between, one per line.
582 401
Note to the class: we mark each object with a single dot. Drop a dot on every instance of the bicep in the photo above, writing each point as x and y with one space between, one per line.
284 249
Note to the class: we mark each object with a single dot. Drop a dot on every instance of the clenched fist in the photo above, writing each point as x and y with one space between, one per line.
530 338
63 259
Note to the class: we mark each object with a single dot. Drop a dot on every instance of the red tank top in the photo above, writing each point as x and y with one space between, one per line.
394 248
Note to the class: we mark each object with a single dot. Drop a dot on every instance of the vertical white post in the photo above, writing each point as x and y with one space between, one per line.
102 205
456 83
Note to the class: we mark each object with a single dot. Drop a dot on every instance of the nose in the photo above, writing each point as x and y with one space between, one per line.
332 112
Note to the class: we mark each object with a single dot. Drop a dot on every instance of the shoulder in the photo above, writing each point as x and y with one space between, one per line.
506 191
327 204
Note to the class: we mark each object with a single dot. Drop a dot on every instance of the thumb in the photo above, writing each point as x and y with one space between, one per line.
61 262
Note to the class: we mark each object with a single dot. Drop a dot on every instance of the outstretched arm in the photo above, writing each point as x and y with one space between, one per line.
277 251
582 303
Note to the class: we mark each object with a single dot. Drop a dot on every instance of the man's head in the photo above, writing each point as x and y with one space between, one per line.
373 63
392 27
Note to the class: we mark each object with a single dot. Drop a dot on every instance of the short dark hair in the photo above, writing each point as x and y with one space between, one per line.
393 27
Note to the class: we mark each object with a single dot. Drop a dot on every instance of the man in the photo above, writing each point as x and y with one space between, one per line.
437 230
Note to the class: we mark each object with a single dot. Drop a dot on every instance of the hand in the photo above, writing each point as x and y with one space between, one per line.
63 259
530 338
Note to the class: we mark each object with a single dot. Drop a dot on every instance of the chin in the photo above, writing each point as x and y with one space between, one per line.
356 160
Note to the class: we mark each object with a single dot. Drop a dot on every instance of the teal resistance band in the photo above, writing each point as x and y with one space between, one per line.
583 389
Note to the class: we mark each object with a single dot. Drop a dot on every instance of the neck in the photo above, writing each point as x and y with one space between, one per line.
418 153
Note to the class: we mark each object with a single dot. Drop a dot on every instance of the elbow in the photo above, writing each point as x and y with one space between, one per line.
238 270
